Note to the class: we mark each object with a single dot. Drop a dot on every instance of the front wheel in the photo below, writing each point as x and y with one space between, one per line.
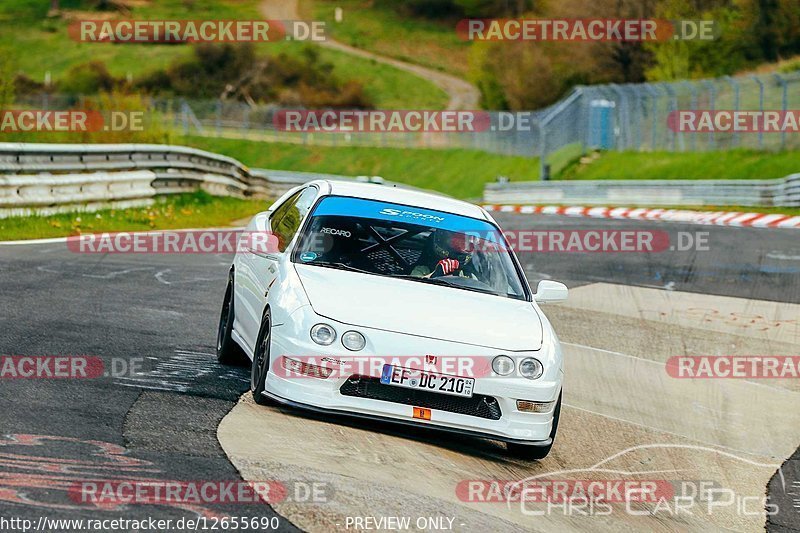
537 453
260 366
228 352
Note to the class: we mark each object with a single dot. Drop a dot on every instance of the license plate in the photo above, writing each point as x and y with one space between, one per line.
424 380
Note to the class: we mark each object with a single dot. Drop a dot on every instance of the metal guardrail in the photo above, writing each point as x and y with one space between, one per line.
782 192
49 178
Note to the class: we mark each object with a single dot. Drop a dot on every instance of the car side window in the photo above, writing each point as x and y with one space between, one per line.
286 220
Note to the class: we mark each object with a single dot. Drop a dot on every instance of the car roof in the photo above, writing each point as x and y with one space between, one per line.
403 196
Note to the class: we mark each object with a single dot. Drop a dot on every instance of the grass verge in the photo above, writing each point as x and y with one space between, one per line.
733 164
380 29
29 38
459 173
196 210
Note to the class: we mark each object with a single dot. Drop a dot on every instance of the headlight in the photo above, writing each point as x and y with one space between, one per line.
531 368
502 365
354 340
323 334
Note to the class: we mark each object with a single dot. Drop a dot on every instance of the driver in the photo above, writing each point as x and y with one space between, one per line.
446 254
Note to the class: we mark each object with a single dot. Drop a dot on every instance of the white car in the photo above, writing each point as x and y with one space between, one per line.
398 305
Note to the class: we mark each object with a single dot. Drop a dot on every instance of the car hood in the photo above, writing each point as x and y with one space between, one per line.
415 308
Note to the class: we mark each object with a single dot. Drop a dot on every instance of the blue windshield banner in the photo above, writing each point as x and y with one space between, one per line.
363 208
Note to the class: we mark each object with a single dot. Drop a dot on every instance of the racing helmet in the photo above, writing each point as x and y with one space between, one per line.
452 245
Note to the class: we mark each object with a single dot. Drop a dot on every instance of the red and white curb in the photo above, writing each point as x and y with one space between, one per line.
718 218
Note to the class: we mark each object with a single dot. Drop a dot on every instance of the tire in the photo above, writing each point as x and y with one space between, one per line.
537 453
260 365
228 352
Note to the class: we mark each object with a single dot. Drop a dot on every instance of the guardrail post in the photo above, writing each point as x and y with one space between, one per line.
185 116
586 98
735 85
218 117
542 150
711 101
622 113
672 105
637 91
760 108
693 105
784 105
654 97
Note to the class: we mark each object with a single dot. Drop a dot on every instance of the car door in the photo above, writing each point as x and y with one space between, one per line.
260 267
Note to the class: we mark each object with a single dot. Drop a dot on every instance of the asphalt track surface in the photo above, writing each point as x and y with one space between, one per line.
163 310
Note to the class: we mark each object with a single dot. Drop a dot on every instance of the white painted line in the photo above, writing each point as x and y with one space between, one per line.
149 232
660 430
34 241
663 364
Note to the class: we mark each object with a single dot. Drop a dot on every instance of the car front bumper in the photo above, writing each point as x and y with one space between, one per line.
325 395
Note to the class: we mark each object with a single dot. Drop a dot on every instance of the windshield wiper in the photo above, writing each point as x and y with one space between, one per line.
340 266
443 282
433 281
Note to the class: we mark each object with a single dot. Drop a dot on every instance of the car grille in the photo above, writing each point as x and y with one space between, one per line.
372 388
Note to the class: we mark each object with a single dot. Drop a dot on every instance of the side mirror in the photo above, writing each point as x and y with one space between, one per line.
550 292
259 239
261 221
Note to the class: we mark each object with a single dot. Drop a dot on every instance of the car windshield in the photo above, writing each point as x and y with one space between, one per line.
418 244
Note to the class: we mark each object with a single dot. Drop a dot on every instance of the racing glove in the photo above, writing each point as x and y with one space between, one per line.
448 266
